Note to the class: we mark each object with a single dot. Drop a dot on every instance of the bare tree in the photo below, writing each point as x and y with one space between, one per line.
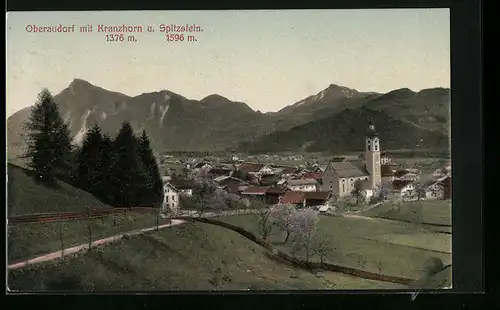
322 248
419 190
360 261
380 265
303 225
265 222
62 229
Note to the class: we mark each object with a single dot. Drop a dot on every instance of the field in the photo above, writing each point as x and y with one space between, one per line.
437 212
398 248
191 256
30 240
25 196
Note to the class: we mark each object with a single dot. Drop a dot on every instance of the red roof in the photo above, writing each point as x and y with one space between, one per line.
293 197
312 175
317 195
275 190
255 190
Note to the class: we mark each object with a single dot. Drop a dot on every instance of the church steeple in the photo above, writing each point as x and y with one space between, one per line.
373 155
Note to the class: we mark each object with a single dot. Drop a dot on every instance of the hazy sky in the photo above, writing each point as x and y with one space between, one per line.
268 59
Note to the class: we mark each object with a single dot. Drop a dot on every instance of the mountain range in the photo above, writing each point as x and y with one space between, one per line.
332 120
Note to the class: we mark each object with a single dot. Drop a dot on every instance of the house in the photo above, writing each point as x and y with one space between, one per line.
406 175
269 180
185 187
438 189
404 189
312 175
326 208
434 190
255 192
385 159
388 172
340 177
295 198
218 172
317 198
274 193
442 172
266 170
302 185
250 168
170 197
202 166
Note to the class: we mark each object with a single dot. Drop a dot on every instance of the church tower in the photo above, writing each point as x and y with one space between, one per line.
372 155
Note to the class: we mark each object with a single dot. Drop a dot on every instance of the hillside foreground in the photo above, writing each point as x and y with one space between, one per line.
191 256
25 196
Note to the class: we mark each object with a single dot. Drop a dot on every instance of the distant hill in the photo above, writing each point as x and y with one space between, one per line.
26 196
346 131
175 122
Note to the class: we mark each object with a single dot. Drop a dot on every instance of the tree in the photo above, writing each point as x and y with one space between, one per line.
264 220
49 145
90 171
303 225
357 191
153 191
322 248
282 217
62 230
360 261
380 193
128 174
380 265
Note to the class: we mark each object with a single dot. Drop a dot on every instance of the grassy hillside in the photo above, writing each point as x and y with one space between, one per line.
27 241
191 256
401 249
26 196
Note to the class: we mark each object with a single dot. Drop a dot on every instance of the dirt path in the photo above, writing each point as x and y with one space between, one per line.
58 254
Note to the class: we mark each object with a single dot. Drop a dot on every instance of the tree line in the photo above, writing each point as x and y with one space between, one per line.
120 171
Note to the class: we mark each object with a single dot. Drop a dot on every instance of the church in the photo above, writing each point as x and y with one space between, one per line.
339 177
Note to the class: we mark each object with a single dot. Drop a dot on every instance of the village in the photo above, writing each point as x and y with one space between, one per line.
370 178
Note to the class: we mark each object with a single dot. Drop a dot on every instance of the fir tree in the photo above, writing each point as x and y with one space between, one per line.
49 147
153 189
91 170
127 172
108 153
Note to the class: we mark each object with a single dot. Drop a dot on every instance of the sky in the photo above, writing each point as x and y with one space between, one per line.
267 58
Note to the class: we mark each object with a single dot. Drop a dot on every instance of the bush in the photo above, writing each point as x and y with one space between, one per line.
433 265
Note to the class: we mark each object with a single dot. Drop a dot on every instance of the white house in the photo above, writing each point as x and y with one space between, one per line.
266 170
404 188
302 185
170 197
